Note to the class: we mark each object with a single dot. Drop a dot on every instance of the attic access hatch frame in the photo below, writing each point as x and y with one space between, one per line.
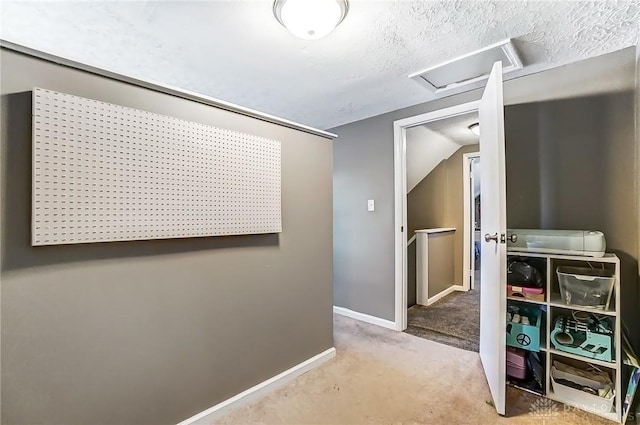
483 58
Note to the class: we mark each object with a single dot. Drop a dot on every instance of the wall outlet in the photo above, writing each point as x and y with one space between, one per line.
371 206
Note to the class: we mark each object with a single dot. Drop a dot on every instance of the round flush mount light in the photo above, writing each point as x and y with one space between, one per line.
475 128
310 19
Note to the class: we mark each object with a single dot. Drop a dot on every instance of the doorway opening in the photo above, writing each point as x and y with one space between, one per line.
471 178
400 190
441 302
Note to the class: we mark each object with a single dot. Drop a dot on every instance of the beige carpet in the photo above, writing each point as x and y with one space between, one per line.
384 377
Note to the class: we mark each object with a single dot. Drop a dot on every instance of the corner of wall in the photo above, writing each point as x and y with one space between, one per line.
637 131
637 171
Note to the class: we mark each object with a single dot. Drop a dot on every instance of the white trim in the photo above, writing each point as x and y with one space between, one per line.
400 198
436 230
400 219
365 318
507 48
422 270
444 293
467 231
223 408
162 88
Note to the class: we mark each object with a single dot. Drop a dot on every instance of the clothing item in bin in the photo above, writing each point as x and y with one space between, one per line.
592 381
585 377
535 365
520 273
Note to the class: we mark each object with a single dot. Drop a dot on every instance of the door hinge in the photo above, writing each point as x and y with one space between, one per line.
401 229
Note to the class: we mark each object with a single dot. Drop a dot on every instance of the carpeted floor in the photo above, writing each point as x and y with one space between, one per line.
384 377
454 320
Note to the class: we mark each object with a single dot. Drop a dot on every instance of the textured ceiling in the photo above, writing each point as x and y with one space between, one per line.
236 51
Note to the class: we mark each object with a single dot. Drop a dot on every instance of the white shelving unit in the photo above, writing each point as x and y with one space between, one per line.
553 304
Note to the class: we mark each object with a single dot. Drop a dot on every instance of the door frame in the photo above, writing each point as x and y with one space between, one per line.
400 198
469 232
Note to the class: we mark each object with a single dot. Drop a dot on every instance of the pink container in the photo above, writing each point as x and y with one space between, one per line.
516 363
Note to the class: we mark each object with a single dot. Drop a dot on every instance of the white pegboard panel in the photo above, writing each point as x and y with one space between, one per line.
103 172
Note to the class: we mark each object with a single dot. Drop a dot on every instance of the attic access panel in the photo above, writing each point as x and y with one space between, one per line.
470 68
104 172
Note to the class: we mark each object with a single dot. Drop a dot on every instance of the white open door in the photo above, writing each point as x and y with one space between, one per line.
493 256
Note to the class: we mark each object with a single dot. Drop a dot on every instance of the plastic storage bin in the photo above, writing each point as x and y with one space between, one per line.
583 400
585 287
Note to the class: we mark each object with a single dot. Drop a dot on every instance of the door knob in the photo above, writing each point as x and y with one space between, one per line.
489 238
512 238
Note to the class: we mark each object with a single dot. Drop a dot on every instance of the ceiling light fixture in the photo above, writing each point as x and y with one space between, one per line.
475 128
310 19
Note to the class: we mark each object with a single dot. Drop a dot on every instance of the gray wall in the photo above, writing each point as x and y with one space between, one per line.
154 332
363 242
437 201
573 156
363 168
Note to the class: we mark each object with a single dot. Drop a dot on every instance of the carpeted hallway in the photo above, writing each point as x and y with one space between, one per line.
454 320
380 376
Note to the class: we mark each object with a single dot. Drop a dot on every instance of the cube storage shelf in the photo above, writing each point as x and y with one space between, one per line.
552 306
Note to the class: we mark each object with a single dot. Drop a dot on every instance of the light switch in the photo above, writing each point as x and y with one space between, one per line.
371 206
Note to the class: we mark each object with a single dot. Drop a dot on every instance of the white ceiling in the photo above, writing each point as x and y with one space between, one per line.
456 128
236 51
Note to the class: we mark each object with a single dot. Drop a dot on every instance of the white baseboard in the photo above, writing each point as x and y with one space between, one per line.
221 409
365 317
444 293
